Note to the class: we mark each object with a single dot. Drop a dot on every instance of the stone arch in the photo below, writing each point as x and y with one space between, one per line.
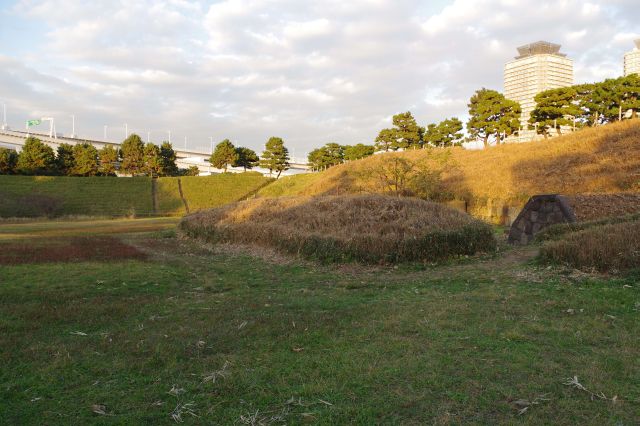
540 212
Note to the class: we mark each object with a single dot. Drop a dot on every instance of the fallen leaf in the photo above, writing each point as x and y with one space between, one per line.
99 409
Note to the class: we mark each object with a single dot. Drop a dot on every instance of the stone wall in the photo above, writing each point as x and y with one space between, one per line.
498 212
540 212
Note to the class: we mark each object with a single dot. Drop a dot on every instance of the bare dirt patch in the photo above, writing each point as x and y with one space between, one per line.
71 249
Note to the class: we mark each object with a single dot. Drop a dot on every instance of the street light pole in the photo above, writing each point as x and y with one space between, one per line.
73 126
4 116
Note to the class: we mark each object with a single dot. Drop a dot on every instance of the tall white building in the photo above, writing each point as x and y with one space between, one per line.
632 60
539 66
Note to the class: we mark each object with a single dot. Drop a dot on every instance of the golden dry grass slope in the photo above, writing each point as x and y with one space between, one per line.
366 228
595 160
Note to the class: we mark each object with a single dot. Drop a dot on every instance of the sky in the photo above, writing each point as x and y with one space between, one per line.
311 72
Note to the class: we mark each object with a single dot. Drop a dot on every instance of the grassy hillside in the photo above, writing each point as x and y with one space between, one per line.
213 191
29 196
599 160
290 185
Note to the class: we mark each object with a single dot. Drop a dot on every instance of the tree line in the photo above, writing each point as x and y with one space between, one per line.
493 118
133 157
583 105
275 156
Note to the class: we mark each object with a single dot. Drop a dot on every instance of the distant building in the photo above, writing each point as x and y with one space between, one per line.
539 66
632 60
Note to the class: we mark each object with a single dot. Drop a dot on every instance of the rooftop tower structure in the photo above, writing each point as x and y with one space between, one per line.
632 60
538 67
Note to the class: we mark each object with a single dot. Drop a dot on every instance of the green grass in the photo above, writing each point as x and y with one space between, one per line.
455 344
289 185
214 191
34 196
168 197
28 196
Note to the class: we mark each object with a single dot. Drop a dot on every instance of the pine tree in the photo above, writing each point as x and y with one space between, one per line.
275 157
407 132
85 162
132 150
224 155
8 160
64 159
36 158
168 160
108 158
152 160
247 158
492 115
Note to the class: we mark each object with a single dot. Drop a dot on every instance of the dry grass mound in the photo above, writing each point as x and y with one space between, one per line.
605 159
365 228
613 247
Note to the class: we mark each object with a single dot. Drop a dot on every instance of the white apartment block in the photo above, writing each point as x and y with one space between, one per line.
632 60
539 66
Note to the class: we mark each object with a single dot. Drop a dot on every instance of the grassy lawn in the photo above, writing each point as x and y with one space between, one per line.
222 338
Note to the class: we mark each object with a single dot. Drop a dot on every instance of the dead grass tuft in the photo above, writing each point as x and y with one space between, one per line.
366 228
606 248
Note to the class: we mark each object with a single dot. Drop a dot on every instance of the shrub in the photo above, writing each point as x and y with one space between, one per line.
365 228
608 247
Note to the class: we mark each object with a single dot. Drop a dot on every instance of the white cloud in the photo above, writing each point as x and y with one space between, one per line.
314 28
311 72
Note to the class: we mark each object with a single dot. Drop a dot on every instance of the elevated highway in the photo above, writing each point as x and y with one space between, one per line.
184 158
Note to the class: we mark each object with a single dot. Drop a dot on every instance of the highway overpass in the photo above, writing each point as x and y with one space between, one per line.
185 158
